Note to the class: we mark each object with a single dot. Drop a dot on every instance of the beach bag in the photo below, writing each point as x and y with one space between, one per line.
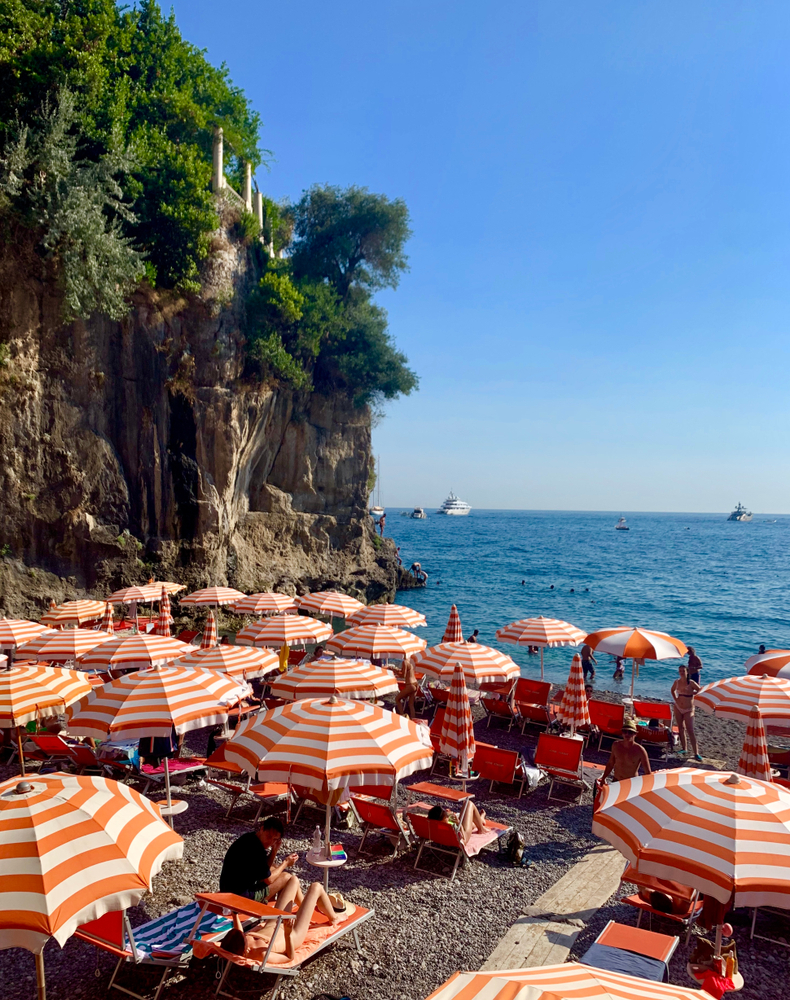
515 848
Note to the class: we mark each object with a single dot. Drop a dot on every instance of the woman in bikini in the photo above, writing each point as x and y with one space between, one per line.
683 691
409 690
474 820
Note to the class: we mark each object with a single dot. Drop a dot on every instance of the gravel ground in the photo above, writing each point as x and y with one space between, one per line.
425 928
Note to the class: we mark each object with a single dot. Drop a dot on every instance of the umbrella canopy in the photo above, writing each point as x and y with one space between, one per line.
31 690
17 631
72 849
773 662
735 697
348 678
106 620
152 703
481 664
165 620
236 661
280 629
169 586
636 644
574 710
209 639
754 761
457 738
453 632
375 642
136 595
329 602
541 632
212 597
62 645
570 981
73 613
134 651
263 604
395 615
726 835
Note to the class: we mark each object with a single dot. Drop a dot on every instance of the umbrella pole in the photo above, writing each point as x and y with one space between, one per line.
21 751
327 847
717 948
41 981
167 781
541 662
633 670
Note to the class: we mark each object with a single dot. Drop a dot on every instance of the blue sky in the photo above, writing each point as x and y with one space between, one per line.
598 301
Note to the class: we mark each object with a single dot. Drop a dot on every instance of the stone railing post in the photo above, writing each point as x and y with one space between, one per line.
248 186
218 167
258 208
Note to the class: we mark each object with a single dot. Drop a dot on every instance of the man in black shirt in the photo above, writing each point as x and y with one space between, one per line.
247 868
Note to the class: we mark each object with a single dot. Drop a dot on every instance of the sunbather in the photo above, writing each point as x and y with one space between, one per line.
410 689
473 820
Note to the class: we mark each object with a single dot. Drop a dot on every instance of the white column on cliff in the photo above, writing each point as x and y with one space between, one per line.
257 199
218 167
248 186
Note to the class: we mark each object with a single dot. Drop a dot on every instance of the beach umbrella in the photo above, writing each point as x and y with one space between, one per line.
541 632
636 644
395 615
212 597
165 620
146 594
329 602
348 678
72 849
134 652
263 604
457 737
17 631
754 761
735 697
169 586
236 661
63 644
288 629
453 632
574 710
209 639
571 981
106 621
376 642
481 664
773 662
73 613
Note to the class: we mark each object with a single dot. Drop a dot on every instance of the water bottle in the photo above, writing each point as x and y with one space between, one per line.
316 850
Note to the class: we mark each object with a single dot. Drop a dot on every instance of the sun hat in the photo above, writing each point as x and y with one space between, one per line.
630 725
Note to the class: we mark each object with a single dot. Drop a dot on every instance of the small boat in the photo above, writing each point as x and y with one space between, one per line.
454 507
418 513
376 511
740 514
621 525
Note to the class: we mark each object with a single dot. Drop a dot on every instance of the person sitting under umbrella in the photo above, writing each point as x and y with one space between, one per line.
247 868
474 820
626 758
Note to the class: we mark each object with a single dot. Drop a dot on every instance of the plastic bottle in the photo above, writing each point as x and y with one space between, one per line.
316 849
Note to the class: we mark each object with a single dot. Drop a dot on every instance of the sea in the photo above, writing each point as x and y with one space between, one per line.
721 586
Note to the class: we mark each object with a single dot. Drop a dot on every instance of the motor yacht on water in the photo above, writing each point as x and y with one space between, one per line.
419 513
453 506
621 525
740 514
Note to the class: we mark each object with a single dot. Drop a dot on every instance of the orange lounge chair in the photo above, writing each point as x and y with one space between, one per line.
440 837
687 905
560 759
608 718
50 750
187 635
531 702
494 764
632 952
380 818
663 736
435 730
499 709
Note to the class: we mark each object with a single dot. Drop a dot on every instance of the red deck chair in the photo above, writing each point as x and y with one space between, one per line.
440 837
531 702
380 818
436 731
498 707
617 942
497 765
187 635
50 750
662 737
608 718
686 907
560 759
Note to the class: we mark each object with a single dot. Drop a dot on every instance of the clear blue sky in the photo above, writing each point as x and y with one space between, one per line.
599 295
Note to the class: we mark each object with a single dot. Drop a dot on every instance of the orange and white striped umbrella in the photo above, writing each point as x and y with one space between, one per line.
212 597
106 621
541 632
165 620
457 738
719 832
236 661
375 642
64 644
735 697
773 662
72 849
348 678
209 639
288 629
329 602
395 615
571 981
73 613
754 761
152 702
169 586
17 631
453 632
146 594
481 664
574 710
134 651
263 604
28 691
636 643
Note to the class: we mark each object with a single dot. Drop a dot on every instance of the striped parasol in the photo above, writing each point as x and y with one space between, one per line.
571 981
453 632
481 664
134 652
773 662
541 632
212 597
209 639
146 594
106 621
719 832
62 645
574 710
170 587
376 642
236 661
17 631
348 678
735 697
457 738
395 615
263 604
73 613
329 602
754 761
31 690
636 644
284 629
165 620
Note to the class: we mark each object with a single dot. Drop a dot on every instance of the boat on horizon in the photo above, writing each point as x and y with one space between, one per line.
418 513
621 525
454 507
740 513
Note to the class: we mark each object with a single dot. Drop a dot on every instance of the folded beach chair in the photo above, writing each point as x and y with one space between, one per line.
162 942
494 764
560 759
632 951
320 936
440 837
686 904
608 718
381 818
531 702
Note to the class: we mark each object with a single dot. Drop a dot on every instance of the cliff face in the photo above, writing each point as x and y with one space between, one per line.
137 448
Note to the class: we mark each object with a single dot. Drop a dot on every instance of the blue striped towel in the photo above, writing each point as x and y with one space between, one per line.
167 935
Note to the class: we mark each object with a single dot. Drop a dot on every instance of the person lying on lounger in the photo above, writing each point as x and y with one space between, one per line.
473 820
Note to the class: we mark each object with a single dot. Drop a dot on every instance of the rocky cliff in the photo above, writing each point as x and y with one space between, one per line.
136 448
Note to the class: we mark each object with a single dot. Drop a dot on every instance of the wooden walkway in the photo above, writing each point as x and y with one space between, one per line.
545 934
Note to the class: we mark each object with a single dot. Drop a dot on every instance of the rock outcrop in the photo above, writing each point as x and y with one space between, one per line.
136 448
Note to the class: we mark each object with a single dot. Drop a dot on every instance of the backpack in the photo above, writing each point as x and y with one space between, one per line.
516 848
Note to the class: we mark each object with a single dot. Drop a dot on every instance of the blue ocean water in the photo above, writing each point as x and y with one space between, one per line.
720 586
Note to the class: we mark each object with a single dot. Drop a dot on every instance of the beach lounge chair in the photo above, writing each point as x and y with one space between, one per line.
687 905
161 942
177 766
494 764
499 709
560 759
435 731
662 735
440 837
531 702
632 951
187 635
381 818
320 936
52 751
608 718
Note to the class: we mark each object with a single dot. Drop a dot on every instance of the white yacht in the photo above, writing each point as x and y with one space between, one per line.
376 511
621 525
452 505
419 513
740 514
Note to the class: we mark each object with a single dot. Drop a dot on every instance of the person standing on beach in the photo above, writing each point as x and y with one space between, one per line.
683 691
626 758
695 665
589 663
409 689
